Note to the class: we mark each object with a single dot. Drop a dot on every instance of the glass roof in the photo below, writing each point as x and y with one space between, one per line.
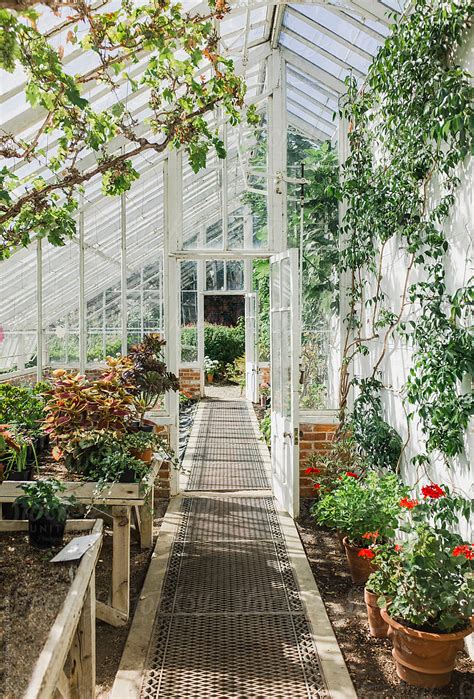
321 46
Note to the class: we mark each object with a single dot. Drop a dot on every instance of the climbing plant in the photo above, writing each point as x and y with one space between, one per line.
410 129
153 48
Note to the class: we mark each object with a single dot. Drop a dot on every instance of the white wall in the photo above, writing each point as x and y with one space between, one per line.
398 360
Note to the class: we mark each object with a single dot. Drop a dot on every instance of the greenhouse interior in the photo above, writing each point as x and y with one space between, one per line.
236 349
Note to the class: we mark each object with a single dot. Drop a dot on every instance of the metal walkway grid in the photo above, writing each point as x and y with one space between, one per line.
230 624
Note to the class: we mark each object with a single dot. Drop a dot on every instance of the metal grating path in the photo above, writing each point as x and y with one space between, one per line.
230 624
227 453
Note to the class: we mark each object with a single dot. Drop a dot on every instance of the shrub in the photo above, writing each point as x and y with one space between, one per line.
224 344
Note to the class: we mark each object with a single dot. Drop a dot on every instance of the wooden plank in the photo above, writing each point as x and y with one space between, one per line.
90 493
111 616
136 529
146 519
82 652
51 661
62 686
21 525
120 598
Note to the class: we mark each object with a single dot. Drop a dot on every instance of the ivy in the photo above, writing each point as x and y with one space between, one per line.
410 128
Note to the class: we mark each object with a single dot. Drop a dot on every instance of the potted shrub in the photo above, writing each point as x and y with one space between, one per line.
211 367
265 391
46 511
430 606
366 509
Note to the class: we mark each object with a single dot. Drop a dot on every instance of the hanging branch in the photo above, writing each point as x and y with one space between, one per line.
174 47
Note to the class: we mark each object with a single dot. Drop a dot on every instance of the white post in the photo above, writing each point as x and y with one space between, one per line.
39 309
82 298
173 188
123 271
345 278
276 158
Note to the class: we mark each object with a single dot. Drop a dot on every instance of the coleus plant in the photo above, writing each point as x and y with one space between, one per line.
144 373
76 405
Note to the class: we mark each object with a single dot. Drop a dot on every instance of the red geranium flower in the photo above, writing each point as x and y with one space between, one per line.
398 547
464 550
409 504
366 553
317 486
432 491
352 474
312 469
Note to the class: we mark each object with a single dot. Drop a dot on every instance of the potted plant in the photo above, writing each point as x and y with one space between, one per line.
211 367
46 511
76 406
144 373
119 467
23 407
381 584
430 605
265 391
366 509
141 445
17 453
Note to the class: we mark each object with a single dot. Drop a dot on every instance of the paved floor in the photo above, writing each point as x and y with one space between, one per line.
231 621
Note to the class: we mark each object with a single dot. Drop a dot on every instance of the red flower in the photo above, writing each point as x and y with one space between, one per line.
409 504
398 547
432 491
352 474
370 535
366 553
317 486
464 550
312 469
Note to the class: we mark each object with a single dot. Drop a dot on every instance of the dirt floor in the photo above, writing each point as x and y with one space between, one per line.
32 593
369 659
110 641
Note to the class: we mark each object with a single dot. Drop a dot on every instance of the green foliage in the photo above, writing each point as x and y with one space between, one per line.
177 45
114 465
224 344
42 499
235 372
380 444
408 134
22 405
261 284
358 506
266 428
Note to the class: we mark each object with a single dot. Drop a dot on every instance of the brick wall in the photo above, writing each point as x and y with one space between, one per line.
190 381
313 438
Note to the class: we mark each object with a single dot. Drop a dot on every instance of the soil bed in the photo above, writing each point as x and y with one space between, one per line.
110 641
368 659
33 592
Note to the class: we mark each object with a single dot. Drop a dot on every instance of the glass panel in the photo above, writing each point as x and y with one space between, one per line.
215 280
286 363
214 236
189 315
235 275
276 362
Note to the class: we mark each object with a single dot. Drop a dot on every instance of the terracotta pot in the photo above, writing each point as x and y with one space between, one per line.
341 536
146 455
360 568
424 659
210 378
377 626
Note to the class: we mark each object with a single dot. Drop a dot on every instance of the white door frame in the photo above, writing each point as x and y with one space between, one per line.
251 347
285 333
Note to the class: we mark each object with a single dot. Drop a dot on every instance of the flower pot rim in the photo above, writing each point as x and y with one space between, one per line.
347 543
427 635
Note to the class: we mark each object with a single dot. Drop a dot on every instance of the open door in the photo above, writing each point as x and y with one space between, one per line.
251 347
285 358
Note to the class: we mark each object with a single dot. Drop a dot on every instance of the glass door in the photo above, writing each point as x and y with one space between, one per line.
285 359
251 347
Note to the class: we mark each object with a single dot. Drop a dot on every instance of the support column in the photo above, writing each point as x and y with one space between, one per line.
276 160
82 298
173 235
39 309
123 271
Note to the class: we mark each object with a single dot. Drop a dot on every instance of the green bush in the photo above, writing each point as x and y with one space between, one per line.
225 344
